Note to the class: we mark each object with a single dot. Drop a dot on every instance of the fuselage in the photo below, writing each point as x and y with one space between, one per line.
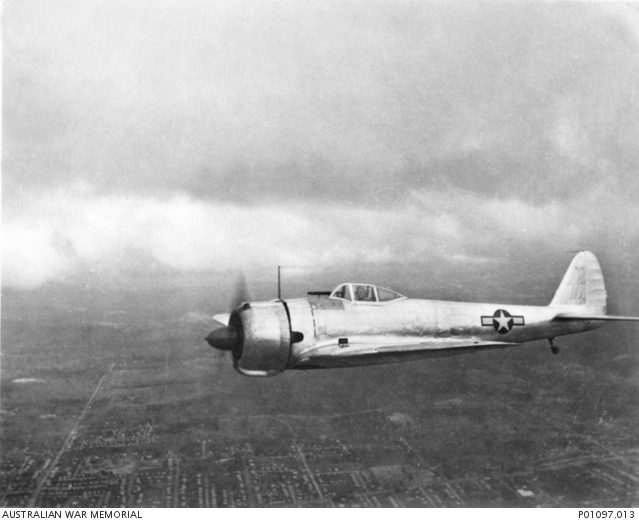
340 324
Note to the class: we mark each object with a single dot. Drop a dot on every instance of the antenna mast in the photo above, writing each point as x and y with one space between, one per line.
279 283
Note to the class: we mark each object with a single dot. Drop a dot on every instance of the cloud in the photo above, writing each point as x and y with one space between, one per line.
258 102
77 229
74 229
30 256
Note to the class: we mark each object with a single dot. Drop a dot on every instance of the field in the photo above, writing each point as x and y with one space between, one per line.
110 397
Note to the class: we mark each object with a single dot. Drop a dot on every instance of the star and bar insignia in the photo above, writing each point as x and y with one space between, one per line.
502 321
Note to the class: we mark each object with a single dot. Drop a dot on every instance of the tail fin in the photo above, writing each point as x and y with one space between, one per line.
583 285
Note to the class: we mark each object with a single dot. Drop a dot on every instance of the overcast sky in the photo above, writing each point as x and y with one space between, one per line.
202 135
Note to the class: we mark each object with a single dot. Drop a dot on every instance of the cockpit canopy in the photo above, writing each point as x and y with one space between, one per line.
365 293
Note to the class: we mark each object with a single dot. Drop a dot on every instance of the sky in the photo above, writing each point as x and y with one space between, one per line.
215 136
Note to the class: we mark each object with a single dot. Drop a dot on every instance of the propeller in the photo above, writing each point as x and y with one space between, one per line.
241 294
227 338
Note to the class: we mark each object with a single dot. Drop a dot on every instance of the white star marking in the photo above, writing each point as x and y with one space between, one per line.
503 321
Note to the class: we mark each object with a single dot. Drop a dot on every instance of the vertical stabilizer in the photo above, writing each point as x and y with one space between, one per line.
583 285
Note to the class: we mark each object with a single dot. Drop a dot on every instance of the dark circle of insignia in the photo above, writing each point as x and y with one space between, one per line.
501 329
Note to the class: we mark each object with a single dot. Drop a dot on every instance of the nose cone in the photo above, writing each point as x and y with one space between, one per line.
223 338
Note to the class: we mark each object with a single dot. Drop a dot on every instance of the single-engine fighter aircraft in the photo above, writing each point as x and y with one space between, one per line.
362 324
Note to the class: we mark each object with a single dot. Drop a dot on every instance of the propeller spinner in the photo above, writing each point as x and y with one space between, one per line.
224 338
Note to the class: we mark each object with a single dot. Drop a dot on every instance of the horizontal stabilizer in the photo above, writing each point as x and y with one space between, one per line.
592 317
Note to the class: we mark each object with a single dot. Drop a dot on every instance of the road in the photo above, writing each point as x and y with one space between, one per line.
44 478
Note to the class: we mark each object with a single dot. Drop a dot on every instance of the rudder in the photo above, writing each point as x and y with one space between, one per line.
583 285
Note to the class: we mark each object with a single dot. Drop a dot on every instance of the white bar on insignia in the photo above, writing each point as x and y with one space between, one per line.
518 320
486 321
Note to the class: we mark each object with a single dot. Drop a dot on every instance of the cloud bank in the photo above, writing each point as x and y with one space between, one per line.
75 230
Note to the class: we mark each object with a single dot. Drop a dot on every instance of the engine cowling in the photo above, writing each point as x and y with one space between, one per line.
263 343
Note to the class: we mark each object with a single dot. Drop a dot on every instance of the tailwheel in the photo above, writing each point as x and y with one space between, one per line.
555 349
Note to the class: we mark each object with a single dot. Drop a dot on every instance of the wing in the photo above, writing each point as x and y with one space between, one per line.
388 351
222 318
